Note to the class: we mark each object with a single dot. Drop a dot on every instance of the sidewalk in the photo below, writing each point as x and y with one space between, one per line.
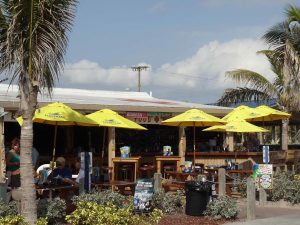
270 215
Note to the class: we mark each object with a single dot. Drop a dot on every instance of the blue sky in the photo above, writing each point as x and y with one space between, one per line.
189 45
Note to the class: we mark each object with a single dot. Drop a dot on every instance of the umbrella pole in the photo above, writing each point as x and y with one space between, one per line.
194 145
54 146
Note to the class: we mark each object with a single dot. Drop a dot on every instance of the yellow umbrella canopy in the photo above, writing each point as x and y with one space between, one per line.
59 114
271 114
109 118
244 113
194 118
237 126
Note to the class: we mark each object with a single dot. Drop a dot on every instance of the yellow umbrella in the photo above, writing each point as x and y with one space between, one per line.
59 114
244 113
272 114
237 126
193 118
109 118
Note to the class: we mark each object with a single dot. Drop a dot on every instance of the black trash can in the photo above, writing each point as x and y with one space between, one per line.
197 197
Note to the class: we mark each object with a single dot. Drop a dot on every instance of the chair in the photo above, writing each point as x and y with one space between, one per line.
42 167
45 175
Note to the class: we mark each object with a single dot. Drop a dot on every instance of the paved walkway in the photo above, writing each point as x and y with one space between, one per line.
270 215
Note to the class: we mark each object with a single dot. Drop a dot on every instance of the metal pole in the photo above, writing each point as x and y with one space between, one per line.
139 80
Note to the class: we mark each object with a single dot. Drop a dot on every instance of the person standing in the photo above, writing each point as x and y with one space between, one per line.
13 164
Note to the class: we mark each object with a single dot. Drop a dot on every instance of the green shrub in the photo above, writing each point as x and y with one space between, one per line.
54 210
42 207
42 221
168 202
92 213
222 207
240 185
12 220
292 192
286 186
281 181
19 220
103 197
8 209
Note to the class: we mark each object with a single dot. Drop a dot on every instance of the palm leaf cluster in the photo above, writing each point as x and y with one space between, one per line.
33 38
284 57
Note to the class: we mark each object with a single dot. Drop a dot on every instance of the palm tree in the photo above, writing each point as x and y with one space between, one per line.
284 40
33 42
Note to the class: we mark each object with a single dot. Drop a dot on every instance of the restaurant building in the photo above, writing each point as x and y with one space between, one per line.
140 107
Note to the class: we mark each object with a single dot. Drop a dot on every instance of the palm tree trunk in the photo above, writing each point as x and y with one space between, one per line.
28 103
284 134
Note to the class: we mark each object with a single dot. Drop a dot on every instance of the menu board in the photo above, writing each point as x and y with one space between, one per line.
142 200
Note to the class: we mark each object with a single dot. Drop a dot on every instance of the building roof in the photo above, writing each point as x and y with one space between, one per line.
92 100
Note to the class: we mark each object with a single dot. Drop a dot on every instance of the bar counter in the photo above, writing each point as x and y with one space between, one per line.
218 158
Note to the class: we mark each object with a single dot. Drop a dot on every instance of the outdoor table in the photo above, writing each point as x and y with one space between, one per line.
62 189
134 160
121 185
160 159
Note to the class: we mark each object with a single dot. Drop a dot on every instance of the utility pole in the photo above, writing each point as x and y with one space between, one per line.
139 69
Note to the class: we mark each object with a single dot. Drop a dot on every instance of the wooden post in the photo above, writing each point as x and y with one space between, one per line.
111 145
222 182
250 199
262 197
182 145
157 182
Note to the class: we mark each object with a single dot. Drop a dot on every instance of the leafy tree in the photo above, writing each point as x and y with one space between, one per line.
284 42
33 41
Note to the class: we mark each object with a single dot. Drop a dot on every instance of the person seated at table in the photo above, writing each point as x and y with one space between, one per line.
61 171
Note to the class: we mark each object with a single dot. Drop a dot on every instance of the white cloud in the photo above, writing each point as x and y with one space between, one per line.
198 78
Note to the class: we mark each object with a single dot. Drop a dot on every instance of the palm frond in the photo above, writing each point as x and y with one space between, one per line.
239 95
293 14
253 80
276 37
52 21
276 64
